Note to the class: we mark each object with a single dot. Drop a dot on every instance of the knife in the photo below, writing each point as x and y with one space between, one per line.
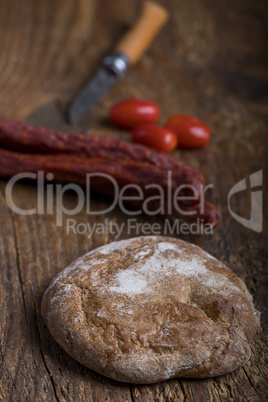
128 51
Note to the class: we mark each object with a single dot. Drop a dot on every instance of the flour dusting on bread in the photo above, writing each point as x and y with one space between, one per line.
130 283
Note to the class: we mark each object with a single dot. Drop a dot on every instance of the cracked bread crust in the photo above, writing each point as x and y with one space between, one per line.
148 309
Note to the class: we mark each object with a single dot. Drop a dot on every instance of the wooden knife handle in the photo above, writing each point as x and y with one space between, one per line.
136 41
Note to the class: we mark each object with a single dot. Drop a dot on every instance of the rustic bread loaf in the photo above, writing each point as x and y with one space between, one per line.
148 309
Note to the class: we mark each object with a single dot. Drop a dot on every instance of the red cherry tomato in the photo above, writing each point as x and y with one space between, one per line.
159 138
191 132
132 112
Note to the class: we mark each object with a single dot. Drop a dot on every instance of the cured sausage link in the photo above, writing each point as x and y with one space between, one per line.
74 169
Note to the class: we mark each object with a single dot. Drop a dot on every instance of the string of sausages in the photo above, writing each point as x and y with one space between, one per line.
70 157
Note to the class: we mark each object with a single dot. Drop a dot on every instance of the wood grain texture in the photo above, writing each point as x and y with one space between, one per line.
209 61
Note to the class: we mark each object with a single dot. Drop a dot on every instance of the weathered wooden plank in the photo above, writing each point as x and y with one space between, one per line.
17 323
38 242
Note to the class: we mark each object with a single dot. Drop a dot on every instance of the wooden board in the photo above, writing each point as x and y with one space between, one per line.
210 61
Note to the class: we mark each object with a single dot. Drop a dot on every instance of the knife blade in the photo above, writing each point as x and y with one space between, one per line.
128 51
112 68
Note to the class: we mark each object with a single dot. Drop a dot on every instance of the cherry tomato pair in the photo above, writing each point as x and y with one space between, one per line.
141 115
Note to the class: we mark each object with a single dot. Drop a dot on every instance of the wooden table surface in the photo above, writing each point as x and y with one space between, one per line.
209 61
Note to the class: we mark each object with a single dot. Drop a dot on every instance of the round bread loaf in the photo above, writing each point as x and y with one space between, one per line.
148 309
